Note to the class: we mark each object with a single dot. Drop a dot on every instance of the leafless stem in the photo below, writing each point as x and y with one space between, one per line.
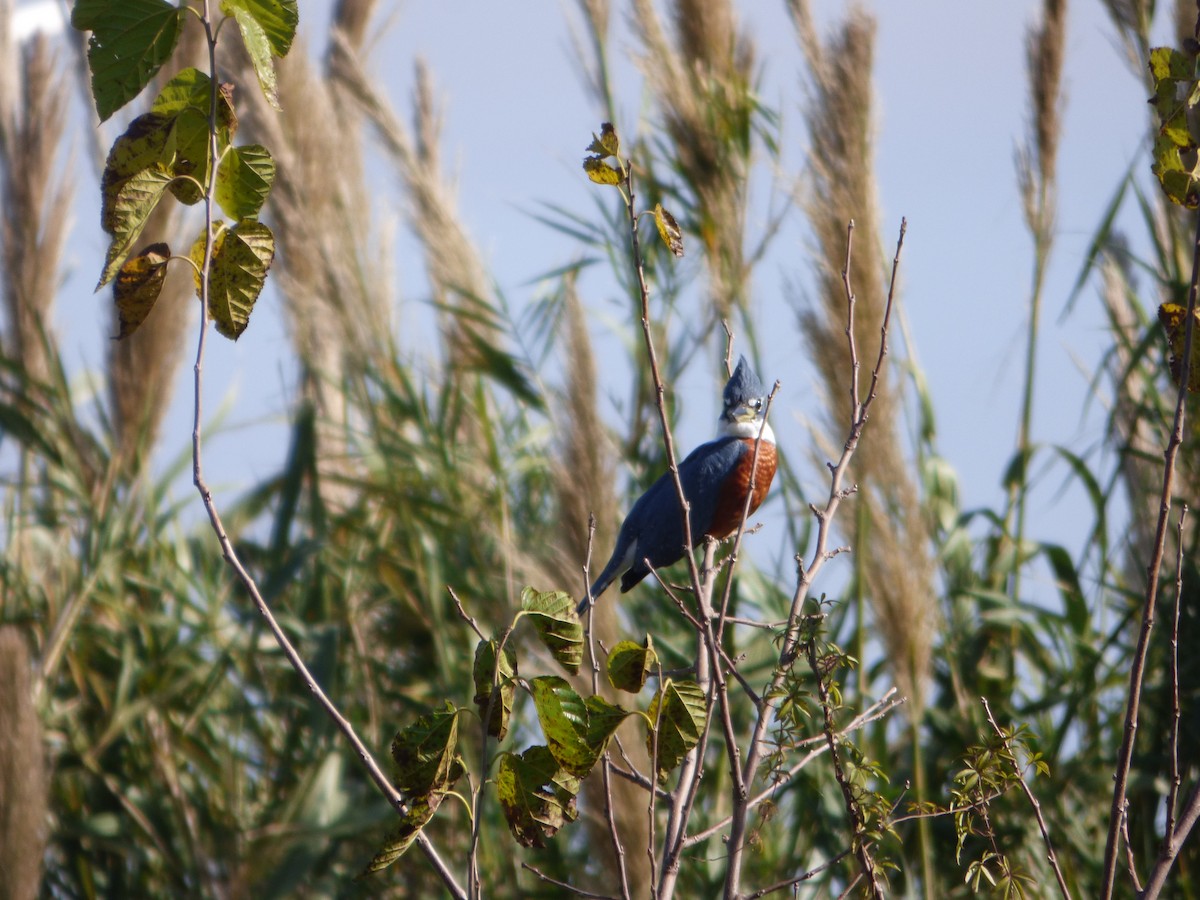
799 879
692 769
1137 669
659 387
1130 862
872 713
1173 753
1033 801
464 615
474 884
859 844
850 303
381 780
756 747
1172 845
562 885
606 767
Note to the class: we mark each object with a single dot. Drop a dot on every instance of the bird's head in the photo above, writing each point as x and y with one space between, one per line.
745 402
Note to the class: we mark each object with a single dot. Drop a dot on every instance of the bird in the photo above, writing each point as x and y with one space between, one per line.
715 478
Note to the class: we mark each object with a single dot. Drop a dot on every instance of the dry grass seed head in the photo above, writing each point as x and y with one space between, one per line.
898 571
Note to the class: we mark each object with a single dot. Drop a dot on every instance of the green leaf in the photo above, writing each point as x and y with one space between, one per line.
125 212
680 722
240 259
138 284
668 230
577 731
185 100
629 665
244 179
258 48
420 813
553 615
537 796
487 677
426 753
603 719
135 175
277 19
564 721
130 41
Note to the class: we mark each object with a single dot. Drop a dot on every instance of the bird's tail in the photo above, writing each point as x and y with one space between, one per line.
599 586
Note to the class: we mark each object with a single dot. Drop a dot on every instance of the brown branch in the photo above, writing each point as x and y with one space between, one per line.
381 780
872 713
606 767
858 843
578 892
1137 669
804 581
1033 801
1173 787
799 879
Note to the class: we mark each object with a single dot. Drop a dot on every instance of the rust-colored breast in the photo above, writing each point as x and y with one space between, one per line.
732 499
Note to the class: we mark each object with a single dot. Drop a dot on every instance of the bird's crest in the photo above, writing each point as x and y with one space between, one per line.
743 385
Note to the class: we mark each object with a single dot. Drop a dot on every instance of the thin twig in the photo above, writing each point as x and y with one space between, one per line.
872 713
1033 801
805 577
464 615
606 766
1172 846
692 769
1173 743
578 892
1137 669
799 879
381 780
859 841
1130 862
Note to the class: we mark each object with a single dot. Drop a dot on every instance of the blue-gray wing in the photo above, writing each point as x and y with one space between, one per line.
654 527
655 521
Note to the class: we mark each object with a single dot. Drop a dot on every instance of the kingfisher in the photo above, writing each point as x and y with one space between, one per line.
716 480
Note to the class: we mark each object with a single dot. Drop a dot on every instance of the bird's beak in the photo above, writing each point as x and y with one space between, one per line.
744 413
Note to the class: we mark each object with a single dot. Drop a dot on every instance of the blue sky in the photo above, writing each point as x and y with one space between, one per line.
950 113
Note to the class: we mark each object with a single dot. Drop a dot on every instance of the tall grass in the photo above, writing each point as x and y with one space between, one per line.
183 755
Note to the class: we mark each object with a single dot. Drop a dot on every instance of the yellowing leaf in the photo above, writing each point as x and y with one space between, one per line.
241 257
426 753
629 665
564 721
600 171
1174 320
607 144
125 212
680 721
537 796
1176 91
137 286
420 813
668 229
553 615
494 677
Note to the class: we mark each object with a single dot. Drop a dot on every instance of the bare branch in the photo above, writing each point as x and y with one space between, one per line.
1033 801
